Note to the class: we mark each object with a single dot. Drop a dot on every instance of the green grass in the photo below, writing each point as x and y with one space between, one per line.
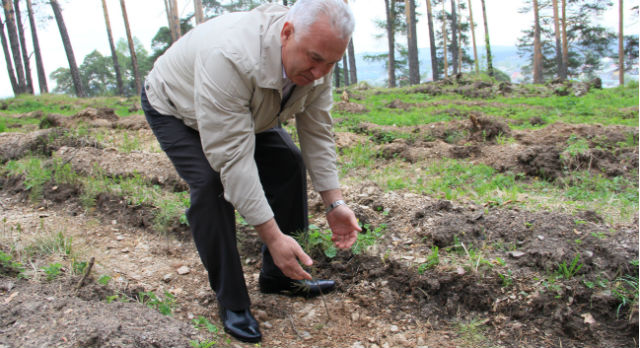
65 105
459 180
605 106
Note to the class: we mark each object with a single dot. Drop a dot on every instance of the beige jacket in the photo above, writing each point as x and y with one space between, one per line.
224 79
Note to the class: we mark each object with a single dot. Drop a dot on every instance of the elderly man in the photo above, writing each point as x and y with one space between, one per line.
215 101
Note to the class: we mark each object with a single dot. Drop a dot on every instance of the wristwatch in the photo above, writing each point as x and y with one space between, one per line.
334 205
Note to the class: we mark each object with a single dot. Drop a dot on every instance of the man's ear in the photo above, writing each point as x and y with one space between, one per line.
287 31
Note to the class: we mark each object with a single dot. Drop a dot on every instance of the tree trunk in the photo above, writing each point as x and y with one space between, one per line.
353 73
10 22
556 27
432 43
132 49
473 38
345 70
114 55
486 39
336 74
197 5
565 44
42 76
454 37
620 46
7 57
444 40
168 5
73 67
391 16
412 42
537 46
175 18
23 47
459 38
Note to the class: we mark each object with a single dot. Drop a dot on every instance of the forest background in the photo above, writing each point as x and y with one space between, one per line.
592 35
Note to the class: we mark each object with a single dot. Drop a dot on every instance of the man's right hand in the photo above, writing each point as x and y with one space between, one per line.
285 251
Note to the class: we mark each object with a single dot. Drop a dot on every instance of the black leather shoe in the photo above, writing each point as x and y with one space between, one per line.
240 324
291 287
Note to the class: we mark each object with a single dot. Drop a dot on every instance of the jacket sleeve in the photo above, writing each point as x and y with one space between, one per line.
315 131
221 98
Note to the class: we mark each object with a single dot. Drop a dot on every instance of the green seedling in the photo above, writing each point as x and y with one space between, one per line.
104 279
203 323
164 306
569 271
432 260
9 267
52 271
507 279
202 344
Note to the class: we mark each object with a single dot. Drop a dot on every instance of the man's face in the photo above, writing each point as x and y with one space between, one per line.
308 56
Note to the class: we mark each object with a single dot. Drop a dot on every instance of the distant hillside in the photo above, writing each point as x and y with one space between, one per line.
505 58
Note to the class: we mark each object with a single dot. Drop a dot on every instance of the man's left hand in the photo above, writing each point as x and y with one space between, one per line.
344 226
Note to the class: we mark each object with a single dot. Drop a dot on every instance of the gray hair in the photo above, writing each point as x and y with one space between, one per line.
305 12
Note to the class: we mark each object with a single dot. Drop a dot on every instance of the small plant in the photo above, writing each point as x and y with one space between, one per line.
104 279
432 260
507 279
203 323
53 271
117 297
78 267
202 344
367 239
569 271
10 267
164 306
625 289
315 238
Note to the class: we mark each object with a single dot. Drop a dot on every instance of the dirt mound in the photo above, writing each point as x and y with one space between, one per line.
64 319
133 122
43 142
349 107
155 167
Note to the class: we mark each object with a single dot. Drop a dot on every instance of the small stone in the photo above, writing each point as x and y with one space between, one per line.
183 270
260 314
588 318
119 237
355 316
357 344
541 237
394 328
516 254
460 270
166 278
305 335
267 325
125 251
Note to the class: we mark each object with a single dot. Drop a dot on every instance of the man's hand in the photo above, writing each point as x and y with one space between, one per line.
284 250
341 219
344 225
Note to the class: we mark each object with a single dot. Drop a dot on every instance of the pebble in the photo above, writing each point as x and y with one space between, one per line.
267 325
119 237
166 278
516 254
183 270
357 344
394 328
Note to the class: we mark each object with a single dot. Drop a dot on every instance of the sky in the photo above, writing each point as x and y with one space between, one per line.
86 27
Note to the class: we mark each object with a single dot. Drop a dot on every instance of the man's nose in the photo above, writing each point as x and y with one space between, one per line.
319 71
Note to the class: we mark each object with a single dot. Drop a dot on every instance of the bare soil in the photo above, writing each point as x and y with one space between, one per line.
382 300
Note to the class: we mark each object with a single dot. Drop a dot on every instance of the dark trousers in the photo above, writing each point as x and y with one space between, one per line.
212 219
